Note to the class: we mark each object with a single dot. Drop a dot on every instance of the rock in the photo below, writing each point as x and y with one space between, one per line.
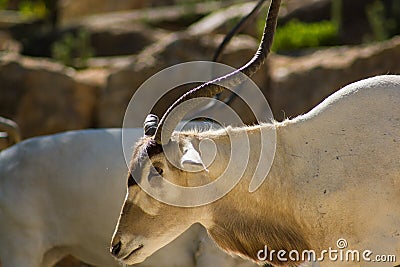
95 77
126 39
101 40
72 9
9 44
307 11
298 84
174 49
114 34
43 97
112 63
11 18
152 11
222 21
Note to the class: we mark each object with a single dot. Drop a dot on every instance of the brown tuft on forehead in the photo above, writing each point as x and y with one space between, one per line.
145 148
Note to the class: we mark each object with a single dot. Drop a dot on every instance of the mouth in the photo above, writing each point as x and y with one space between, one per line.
133 252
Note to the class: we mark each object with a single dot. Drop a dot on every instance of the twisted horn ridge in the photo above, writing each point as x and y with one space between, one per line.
150 125
211 88
12 130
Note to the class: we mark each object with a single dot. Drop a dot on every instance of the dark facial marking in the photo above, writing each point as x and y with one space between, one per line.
145 150
153 148
131 181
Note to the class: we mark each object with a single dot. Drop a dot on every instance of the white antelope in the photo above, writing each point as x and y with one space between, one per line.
59 196
335 174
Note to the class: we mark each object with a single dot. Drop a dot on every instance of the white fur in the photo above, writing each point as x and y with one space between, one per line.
336 174
61 194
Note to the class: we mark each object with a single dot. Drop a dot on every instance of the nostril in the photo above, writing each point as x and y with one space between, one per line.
116 249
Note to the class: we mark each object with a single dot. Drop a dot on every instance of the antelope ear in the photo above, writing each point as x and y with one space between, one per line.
191 159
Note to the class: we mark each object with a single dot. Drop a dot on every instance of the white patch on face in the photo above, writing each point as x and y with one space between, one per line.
208 151
141 199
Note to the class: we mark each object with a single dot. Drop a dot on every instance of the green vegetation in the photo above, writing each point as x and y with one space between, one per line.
336 15
296 35
3 4
43 10
33 9
383 22
381 26
73 50
29 8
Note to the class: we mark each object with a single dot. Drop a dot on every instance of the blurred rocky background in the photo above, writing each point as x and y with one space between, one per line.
72 64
